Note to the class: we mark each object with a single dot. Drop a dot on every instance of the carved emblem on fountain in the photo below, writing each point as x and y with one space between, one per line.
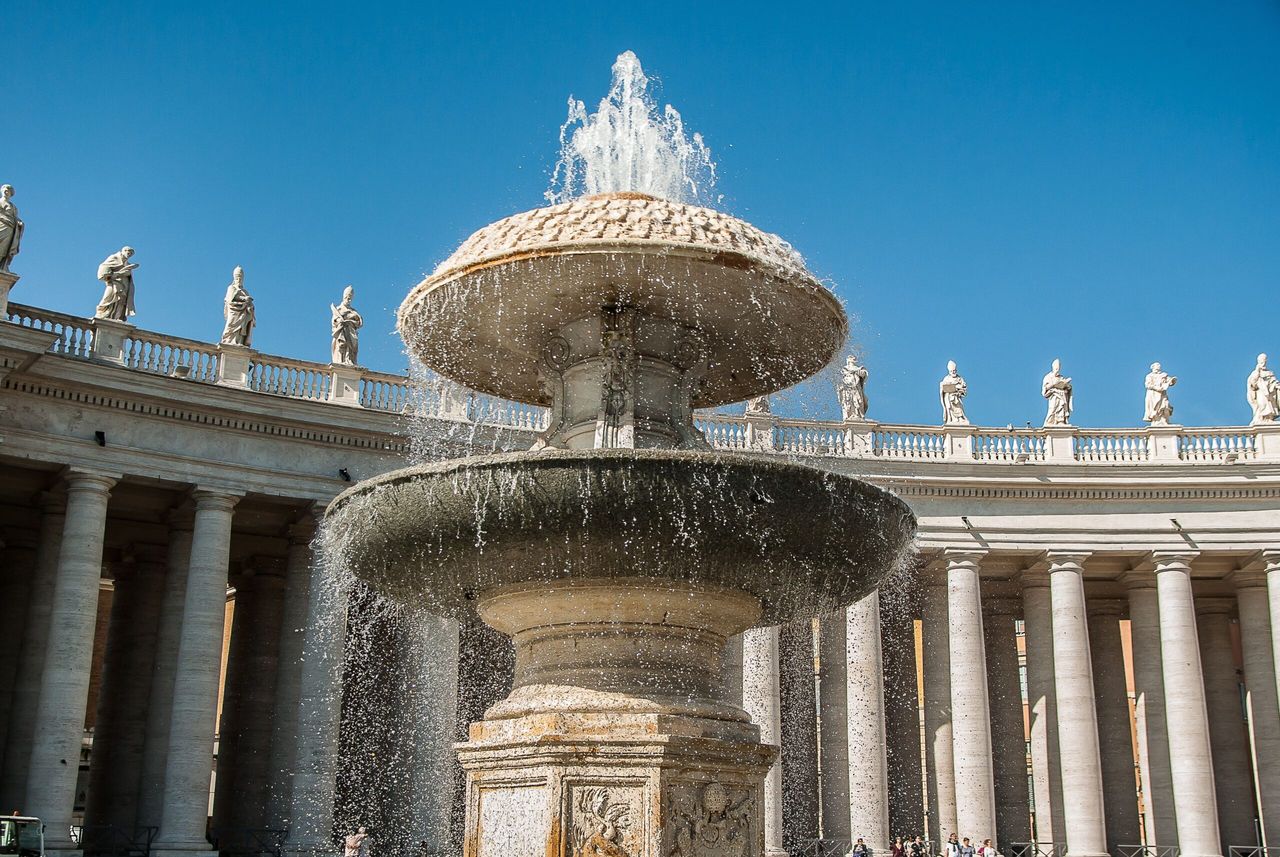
600 824
712 822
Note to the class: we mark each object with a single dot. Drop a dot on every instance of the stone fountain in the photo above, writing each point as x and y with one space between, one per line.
621 553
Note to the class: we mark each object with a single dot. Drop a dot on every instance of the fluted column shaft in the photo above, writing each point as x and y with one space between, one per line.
1008 740
1232 763
901 711
868 806
293 627
833 733
120 731
937 709
1115 735
970 701
1046 779
319 712
193 717
1190 756
31 658
1259 676
17 568
64 684
1149 709
1081 765
760 698
155 752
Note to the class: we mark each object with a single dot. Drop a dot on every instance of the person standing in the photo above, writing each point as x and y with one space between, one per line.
897 849
356 844
952 848
967 849
860 848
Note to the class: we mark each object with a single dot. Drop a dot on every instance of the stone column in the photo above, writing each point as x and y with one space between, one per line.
30 662
1149 708
1190 756
901 711
189 765
249 699
1008 738
868 772
17 569
1269 561
120 729
936 651
970 709
1232 763
319 709
1259 676
1115 734
293 628
1081 765
798 708
64 683
833 727
760 663
1046 779
155 752
733 669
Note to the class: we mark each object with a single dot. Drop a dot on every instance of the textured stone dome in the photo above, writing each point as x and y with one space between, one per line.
759 318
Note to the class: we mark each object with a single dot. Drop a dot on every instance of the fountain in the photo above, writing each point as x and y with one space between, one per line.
620 554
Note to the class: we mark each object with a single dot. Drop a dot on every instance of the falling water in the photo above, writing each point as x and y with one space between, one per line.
628 144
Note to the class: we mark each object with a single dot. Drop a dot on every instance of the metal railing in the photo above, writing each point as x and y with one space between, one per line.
1147 851
108 840
1035 849
1251 851
249 841
822 848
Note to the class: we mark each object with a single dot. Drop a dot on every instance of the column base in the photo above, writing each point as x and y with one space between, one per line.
180 849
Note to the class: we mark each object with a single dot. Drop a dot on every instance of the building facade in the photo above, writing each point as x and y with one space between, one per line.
1081 659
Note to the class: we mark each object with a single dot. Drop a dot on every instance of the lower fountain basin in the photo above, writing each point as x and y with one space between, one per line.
801 540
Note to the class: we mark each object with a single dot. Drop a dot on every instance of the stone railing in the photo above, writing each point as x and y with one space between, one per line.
354 386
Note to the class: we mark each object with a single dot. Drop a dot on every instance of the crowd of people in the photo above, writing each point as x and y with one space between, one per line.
908 846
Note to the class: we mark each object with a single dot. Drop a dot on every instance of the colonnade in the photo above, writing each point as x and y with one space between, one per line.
152 759
1186 766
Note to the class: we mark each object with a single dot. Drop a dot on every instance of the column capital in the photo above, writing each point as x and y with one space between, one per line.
1105 607
1214 606
1250 575
80 479
219 499
962 556
1138 578
303 530
1262 562
1161 561
1061 560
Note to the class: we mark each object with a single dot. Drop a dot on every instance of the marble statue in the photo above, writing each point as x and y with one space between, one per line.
237 309
1057 389
852 390
11 227
346 329
117 300
952 390
758 406
1159 409
1263 392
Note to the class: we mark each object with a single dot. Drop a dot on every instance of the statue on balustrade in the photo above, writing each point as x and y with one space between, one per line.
1263 392
952 390
851 390
346 329
1159 409
117 299
11 227
1057 389
237 309
759 407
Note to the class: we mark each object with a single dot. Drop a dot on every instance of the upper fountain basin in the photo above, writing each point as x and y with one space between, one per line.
485 316
802 540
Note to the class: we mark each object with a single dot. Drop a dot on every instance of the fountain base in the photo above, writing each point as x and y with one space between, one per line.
619 737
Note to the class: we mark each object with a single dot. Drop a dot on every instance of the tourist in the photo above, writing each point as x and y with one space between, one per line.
952 848
356 844
918 848
967 849
987 849
897 849
860 848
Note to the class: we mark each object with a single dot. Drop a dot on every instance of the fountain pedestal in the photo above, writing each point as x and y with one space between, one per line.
617 738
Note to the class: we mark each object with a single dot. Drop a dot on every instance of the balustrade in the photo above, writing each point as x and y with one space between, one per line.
157 353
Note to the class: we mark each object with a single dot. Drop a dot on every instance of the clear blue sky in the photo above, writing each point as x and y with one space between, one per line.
998 183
